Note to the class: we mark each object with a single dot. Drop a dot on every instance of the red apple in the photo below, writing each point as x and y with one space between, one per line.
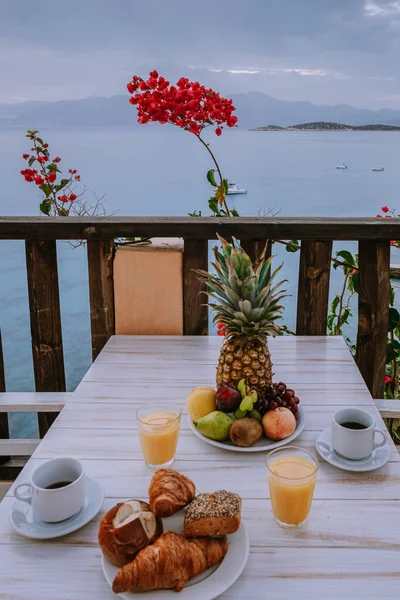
227 399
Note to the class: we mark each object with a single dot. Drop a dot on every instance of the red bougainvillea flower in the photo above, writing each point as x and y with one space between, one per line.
379 216
186 104
39 180
388 379
63 198
385 209
29 174
25 156
393 243
72 197
388 216
51 177
42 159
221 329
56 159
77 177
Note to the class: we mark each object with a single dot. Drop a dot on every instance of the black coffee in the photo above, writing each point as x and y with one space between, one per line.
353 425
57 484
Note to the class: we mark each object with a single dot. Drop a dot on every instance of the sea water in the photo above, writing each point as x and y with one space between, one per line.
161 171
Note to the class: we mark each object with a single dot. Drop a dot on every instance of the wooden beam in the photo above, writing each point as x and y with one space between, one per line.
200 228
313 289
195 314
101 292
373 313
45 316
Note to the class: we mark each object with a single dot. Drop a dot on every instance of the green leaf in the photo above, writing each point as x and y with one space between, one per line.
347 256
344 316
234 212
211 177
391 295
330 322
291 248
393 349
41 142
61 185
394 318
31 161
335 303
226 185
52 168
46 189
213 204
352 283
45 207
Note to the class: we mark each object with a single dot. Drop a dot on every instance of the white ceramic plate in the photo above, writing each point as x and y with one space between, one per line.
263 445
22 520
378 458
207 585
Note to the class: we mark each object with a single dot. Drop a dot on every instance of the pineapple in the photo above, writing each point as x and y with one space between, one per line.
247 307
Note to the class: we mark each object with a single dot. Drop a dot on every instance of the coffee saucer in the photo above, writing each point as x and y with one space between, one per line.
22 520
378 458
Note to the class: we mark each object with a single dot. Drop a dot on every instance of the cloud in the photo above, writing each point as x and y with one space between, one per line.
242 71
321 50
373 9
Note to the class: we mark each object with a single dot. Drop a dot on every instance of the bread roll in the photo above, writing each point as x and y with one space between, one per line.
213 514
126 529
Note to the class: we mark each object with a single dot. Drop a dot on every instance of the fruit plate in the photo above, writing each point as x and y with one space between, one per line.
206 586
263 445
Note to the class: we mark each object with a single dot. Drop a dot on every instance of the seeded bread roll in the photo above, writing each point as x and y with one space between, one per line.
213 514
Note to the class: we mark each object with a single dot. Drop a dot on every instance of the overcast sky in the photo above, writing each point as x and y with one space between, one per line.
325 51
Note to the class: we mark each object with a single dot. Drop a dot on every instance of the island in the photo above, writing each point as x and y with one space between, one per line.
327 126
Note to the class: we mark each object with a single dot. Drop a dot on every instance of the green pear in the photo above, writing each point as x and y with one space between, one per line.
215 425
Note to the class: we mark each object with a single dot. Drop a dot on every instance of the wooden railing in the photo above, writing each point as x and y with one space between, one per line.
316 235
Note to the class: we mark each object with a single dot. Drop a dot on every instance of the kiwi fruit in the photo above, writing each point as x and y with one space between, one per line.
245 432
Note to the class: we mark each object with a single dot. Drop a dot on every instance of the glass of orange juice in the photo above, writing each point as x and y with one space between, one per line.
292 473
158 432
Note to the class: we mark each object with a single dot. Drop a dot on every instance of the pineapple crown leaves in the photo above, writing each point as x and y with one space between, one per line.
241 294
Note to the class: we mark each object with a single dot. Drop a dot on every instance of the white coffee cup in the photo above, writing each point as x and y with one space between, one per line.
58 503
351 443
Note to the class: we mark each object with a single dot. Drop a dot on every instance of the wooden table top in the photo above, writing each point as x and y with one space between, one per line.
348 549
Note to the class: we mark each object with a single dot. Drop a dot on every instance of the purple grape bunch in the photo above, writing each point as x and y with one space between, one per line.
277 395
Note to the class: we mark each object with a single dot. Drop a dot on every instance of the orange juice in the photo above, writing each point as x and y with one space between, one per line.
159 432
292 477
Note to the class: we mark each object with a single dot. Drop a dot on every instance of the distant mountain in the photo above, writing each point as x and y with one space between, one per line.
328 126
253 109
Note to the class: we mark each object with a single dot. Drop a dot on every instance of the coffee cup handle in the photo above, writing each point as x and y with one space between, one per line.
384 438
24 497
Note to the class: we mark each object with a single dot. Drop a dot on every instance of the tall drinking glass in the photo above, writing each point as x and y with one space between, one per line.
158 432
292 473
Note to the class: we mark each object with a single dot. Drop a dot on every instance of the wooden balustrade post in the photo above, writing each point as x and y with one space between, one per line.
373 313
101 292
313 290
45 316
195 313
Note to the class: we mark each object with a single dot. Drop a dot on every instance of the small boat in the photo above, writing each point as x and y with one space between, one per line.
342 166
378 168
233 188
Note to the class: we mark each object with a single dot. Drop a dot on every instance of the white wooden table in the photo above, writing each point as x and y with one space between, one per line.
349 548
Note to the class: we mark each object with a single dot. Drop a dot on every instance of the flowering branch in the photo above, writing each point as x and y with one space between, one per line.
62 196
192 107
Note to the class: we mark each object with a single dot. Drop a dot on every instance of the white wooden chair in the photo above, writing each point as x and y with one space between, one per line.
389 409
13 402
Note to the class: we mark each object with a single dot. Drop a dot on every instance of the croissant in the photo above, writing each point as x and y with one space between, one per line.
169 563
169 491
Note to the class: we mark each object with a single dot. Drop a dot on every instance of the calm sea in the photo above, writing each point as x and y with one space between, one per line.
159 171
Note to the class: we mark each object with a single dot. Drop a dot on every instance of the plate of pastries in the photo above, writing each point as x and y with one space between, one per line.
178 541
